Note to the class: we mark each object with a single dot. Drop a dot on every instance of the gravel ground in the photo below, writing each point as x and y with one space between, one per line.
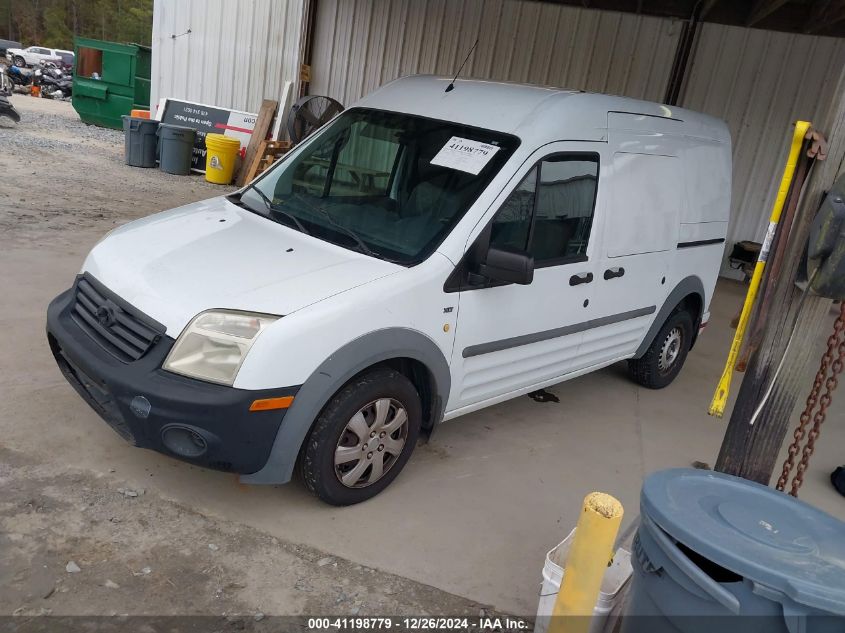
76 543
84 543
57 127
63 176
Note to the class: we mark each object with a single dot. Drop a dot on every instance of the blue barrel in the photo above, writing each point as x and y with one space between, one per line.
720 554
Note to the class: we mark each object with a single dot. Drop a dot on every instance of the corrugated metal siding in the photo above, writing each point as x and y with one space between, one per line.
361 44
760 82
236 54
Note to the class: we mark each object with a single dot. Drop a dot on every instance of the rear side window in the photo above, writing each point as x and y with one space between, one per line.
550 213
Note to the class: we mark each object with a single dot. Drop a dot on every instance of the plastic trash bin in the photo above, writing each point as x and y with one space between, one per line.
719 553
140 141
176 148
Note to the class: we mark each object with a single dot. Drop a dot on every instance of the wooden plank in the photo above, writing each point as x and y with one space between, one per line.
280 127
268 153
254 166
751 446
259 135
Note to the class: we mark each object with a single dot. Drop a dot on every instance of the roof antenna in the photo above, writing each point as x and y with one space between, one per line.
451 85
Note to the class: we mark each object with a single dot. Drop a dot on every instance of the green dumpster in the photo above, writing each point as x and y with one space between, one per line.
110 80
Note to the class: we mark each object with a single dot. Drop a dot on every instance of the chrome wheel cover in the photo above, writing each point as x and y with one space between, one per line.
371 443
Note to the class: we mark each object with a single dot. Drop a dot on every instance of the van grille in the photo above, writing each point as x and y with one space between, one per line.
114 325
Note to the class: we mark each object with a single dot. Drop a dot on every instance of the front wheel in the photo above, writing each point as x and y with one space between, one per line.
665 357
362 438
19 61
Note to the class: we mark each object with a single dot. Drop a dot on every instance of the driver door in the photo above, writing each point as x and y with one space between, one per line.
510 338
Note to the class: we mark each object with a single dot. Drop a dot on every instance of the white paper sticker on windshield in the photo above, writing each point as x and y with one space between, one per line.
465 155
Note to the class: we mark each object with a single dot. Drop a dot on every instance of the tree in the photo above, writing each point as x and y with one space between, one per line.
54 23
57 34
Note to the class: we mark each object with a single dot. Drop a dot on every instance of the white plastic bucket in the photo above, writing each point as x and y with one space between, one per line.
614 579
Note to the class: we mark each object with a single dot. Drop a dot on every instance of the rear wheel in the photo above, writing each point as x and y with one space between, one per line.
665 357
363 438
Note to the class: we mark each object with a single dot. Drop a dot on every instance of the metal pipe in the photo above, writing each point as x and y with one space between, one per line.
682 55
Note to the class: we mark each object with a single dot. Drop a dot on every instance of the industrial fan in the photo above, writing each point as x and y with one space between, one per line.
309 114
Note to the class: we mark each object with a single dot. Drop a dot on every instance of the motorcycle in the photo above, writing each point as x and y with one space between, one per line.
6 108
20 77
54 83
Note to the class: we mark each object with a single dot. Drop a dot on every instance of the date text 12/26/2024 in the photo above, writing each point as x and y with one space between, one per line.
424 623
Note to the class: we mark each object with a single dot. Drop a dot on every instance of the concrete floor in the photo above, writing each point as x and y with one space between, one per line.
474 511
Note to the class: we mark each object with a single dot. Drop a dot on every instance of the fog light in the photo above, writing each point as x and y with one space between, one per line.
184 441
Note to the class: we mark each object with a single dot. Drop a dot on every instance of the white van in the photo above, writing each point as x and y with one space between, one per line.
426 254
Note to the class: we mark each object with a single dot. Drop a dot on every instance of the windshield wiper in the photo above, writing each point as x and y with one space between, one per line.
362 247
277 209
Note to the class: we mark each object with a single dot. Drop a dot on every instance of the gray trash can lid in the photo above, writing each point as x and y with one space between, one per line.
183 128
755 531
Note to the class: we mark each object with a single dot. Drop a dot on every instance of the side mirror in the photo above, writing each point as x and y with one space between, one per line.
507 265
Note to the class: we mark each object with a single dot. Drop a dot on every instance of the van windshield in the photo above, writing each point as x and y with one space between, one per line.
387 184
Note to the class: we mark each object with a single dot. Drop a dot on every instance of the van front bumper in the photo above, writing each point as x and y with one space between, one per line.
202 423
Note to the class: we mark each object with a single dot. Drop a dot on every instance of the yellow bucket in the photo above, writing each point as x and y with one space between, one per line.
220 156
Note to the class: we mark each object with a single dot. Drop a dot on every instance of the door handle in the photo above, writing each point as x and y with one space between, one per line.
583 278
610 273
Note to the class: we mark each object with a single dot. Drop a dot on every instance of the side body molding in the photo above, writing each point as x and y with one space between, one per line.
687 286
332 374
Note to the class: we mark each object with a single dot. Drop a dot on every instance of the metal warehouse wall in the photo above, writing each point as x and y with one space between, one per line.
236 54
760 82
362 44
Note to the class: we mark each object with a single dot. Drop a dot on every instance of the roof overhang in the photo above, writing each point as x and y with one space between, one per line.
816 17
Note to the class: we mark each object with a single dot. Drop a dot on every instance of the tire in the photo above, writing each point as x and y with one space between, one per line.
381 393
19 61
665 357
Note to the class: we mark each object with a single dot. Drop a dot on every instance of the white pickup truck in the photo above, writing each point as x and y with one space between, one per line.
34 55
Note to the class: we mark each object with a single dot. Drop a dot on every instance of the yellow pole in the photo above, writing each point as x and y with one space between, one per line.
589 556
720 397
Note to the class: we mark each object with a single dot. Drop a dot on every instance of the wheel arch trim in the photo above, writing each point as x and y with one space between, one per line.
687 286
335 371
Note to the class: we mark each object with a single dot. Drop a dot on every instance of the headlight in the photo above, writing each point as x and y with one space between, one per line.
214 345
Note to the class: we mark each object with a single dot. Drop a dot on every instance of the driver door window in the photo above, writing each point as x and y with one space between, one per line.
512 224
550 213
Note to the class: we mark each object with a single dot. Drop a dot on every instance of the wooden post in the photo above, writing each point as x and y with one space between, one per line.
751 450
259 134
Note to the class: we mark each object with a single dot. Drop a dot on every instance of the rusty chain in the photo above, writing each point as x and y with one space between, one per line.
833 361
